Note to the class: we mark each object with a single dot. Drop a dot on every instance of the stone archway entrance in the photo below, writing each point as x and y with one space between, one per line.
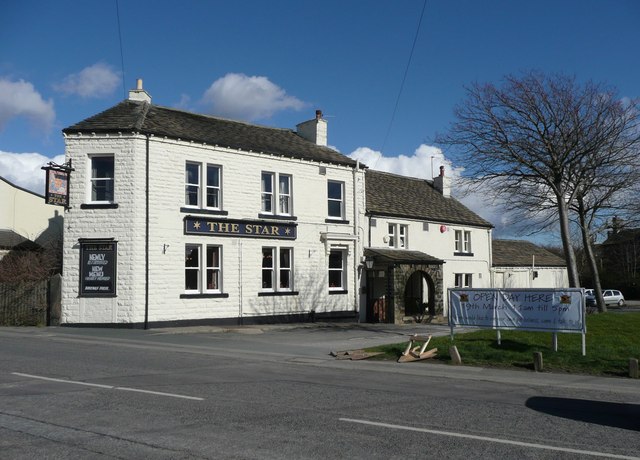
419 298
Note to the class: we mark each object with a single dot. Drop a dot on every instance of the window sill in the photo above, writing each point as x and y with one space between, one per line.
463 254
212 212
276 216
218 295
338 292
336 221
276 293
99 206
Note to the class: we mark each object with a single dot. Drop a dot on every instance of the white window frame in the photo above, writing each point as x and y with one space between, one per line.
466 242
93 180
463 241
276 198
203 268
342 270
335 200
217 189
201 185
275 270
463 280
398 236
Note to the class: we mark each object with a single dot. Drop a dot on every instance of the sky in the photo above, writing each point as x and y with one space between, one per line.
385 75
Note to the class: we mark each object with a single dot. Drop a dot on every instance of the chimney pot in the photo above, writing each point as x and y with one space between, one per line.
441 171
318 114
139 84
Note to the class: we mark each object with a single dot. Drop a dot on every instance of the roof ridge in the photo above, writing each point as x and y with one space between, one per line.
143 116
219 118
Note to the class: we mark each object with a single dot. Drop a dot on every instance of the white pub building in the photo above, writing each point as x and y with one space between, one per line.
180 218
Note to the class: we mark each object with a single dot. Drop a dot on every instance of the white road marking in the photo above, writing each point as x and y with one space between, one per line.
39 377
173 395
108 387
485 438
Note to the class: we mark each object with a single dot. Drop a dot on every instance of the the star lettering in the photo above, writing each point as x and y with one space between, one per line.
196 225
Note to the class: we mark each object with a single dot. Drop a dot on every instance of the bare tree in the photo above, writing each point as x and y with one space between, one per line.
533 144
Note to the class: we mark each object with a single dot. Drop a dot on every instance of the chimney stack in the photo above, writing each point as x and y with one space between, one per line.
442 184
314 130
139 94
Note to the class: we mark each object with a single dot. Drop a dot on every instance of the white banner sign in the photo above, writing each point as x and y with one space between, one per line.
557 310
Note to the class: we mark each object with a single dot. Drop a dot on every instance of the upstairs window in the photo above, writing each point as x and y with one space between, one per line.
270 195
335 195
102 179
197 183
463 242
398 236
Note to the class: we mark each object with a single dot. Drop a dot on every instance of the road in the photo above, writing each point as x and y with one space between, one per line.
272 393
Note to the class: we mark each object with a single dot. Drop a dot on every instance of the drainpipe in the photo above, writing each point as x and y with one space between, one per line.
356 243
146 240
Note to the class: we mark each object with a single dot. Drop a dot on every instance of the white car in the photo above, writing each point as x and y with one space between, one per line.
613 297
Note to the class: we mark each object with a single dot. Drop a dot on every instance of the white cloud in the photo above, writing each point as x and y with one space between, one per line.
424 163
239 96
96 81
20 99
23 169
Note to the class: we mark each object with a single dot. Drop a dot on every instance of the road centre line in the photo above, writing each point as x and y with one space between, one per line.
107 387
486 438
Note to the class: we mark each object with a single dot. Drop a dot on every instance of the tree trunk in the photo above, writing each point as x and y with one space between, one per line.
569 255
591 259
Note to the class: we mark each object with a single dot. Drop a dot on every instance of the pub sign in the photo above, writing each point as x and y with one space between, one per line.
98 268
195 225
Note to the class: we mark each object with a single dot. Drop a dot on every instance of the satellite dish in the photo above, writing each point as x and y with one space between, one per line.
443 228
385 239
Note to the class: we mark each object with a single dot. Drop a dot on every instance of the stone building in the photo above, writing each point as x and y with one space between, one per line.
420 241
180 218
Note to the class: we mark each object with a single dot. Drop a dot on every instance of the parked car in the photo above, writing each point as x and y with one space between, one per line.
590 297
613 297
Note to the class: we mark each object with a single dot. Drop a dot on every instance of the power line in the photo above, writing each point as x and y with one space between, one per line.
124 87
404 77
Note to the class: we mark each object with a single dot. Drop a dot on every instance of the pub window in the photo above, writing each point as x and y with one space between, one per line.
463 280
196 267
335 196
277 269
463 241
270 194
199 180
337 270
398 236
102 179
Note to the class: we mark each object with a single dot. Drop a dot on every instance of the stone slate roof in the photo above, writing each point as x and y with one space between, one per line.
400 256
517 253
399 196
136 116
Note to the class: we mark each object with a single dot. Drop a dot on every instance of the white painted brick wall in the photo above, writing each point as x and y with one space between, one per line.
442 245
241 199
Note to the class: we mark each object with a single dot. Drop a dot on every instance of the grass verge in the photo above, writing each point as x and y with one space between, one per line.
612 338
